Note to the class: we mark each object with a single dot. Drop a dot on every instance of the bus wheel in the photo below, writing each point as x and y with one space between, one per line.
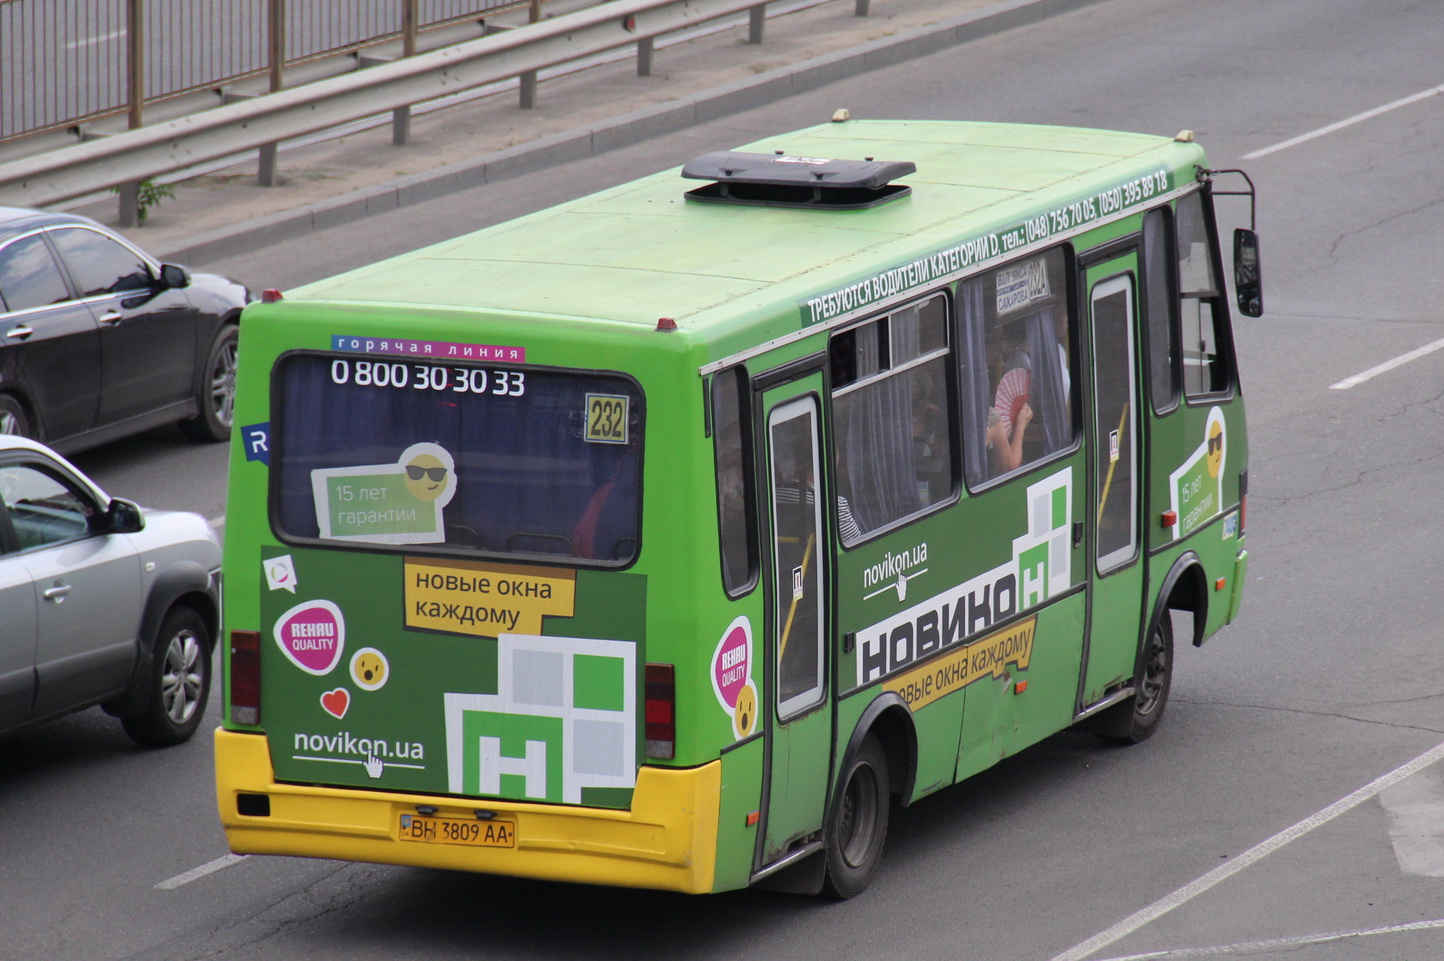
857 824
1155 678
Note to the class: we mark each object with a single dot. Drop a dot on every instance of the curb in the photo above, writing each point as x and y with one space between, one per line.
624 130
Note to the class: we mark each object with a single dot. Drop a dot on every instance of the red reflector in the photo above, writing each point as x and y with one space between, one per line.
666 323
1242 513
661 711
1218 584
245 677
1170 518
753 818
270 295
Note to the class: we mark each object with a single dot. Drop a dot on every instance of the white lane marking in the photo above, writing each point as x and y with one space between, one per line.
1416 823
1280 944
92 41
210 867
1387 366
1248 858
1356 118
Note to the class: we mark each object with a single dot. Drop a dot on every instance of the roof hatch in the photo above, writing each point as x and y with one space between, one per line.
780 180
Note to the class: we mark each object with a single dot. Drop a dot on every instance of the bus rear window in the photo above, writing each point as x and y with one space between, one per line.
457 458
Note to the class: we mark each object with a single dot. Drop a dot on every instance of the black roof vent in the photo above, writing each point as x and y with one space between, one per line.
780 180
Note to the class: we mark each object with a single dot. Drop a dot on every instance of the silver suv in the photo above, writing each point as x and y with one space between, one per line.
101 602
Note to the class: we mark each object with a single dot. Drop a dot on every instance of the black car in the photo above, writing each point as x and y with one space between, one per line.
98 340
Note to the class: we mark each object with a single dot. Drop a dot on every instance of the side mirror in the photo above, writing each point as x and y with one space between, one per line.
1247 279
174 277
124 517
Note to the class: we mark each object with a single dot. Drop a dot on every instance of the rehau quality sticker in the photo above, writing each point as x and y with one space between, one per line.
732 676
312 636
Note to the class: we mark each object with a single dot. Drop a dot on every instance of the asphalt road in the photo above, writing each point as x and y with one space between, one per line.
1276 814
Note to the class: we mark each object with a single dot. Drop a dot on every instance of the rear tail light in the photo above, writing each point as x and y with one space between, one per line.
661 711
245 677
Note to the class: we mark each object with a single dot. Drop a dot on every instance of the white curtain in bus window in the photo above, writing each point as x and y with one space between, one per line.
461 458
797 555
890 409
1114 428
1016 370
1204 371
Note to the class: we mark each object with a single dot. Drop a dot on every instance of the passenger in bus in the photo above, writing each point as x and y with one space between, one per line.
1012 369
1011 413
1060 334
930 442
1006 449
847 526
1019 357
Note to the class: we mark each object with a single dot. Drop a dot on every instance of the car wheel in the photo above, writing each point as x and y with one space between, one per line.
216 396
857 823
180 681
1139 716
13 419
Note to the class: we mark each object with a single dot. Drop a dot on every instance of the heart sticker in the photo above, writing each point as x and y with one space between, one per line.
312 636
336 702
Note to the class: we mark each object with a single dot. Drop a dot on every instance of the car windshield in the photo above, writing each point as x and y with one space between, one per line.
458 457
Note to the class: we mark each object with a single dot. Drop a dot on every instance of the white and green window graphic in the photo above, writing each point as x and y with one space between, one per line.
1196 488
563 719
1043 553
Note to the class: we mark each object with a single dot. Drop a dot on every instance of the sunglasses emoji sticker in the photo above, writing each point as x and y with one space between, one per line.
426 477
1215 447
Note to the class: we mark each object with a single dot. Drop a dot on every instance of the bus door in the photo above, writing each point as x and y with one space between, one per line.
799 733
1116 459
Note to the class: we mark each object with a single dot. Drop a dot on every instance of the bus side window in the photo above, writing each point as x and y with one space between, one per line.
732 440
1159 300
891 427
1017 366
1205 368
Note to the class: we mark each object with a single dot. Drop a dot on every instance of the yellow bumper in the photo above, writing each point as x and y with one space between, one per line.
668 839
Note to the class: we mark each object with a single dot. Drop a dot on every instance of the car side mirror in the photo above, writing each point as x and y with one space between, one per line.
1247 279
124 517
174 277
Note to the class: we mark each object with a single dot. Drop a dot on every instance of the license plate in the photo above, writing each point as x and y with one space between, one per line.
472 831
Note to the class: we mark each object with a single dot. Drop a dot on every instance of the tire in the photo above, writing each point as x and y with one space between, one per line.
1141 714
180 681
216 395
857 823
13 419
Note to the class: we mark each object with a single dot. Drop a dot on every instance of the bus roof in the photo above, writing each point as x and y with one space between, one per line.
640 251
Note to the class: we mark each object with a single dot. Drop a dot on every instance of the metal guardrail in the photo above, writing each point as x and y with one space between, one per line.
147 152
65 63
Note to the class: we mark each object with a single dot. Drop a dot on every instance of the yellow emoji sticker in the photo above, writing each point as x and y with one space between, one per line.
744 717
369 669
1215 447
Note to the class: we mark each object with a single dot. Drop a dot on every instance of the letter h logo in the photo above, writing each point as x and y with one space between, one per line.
533 767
